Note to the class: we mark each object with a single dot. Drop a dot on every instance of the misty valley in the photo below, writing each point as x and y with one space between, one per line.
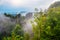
33 25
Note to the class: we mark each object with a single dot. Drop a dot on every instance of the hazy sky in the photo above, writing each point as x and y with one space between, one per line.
13 6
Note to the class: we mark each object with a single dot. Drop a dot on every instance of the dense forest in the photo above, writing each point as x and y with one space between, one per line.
45 25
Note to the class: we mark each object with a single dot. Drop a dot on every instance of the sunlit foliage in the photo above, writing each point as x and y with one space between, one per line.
48 25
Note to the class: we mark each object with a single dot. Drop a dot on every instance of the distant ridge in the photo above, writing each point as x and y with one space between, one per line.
56 4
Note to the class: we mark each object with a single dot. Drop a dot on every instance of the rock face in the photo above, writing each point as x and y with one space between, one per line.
56 4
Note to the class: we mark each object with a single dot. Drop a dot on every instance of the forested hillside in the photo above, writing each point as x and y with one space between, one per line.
40 26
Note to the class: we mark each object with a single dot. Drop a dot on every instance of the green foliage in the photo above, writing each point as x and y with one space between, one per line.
26 36
38 28
18 30
16 34
53 24
47 25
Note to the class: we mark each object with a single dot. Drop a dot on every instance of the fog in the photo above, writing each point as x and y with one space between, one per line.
6 24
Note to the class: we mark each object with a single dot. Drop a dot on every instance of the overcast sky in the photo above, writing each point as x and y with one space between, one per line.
13 6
